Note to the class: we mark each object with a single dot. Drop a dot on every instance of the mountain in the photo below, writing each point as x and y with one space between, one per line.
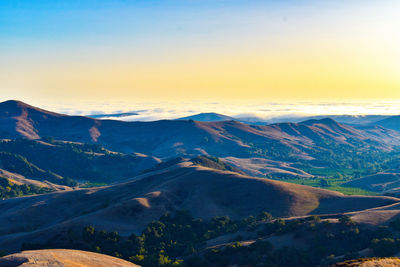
128 206
19 119
62 257
347 119
208 117
393 122
165 139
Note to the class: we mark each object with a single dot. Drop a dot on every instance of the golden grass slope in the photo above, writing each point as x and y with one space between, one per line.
370 262
62 257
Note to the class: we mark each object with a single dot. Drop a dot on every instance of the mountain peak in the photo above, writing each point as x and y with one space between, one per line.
327 121
208 117
15 107
13 103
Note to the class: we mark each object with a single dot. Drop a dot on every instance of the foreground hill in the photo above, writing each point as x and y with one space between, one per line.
372 262
62 257
129 206
309 140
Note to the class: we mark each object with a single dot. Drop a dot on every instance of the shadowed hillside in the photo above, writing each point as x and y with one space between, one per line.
66 163
392 122
380 182
129 206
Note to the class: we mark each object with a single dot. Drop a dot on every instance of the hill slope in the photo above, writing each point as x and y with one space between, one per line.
129 206
392 122
59 162
380 182
165 139
62 257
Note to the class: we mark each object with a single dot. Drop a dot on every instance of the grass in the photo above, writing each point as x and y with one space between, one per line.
332 179
335 172
90 184
333 184
351 190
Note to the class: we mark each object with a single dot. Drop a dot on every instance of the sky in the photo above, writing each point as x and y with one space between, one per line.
107 51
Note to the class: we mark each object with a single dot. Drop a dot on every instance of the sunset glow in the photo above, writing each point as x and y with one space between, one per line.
200 50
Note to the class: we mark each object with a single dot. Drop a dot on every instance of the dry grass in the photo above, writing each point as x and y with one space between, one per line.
62 257
370 262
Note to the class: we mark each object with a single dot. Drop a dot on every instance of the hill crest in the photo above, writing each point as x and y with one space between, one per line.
208 117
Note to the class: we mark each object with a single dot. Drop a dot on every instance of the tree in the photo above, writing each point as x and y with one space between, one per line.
346 220
384 247
88 233
264 217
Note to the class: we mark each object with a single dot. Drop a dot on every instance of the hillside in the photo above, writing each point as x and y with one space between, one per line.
370 262
261 167
313 140
66 163
129 206
392 122
380 182
62 257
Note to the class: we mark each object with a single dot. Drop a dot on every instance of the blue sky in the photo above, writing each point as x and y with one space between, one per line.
199 48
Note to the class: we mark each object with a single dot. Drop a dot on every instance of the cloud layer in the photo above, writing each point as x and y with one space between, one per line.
268 111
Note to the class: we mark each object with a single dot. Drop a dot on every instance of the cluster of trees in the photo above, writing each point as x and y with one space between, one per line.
180 240
331 155
9 189
325 241
18 164
214 163
166 242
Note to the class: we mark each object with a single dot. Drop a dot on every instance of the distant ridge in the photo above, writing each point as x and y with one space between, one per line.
15 107
113 115
392 122
208 117
171 138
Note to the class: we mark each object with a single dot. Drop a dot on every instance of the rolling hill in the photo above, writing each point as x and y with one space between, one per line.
62 257
165 139
379 182
392 122
261 167
66 163
128 207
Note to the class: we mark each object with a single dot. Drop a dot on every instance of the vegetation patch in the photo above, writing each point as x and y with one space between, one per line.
10 190
178 239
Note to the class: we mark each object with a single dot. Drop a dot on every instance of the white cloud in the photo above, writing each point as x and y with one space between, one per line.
156 110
